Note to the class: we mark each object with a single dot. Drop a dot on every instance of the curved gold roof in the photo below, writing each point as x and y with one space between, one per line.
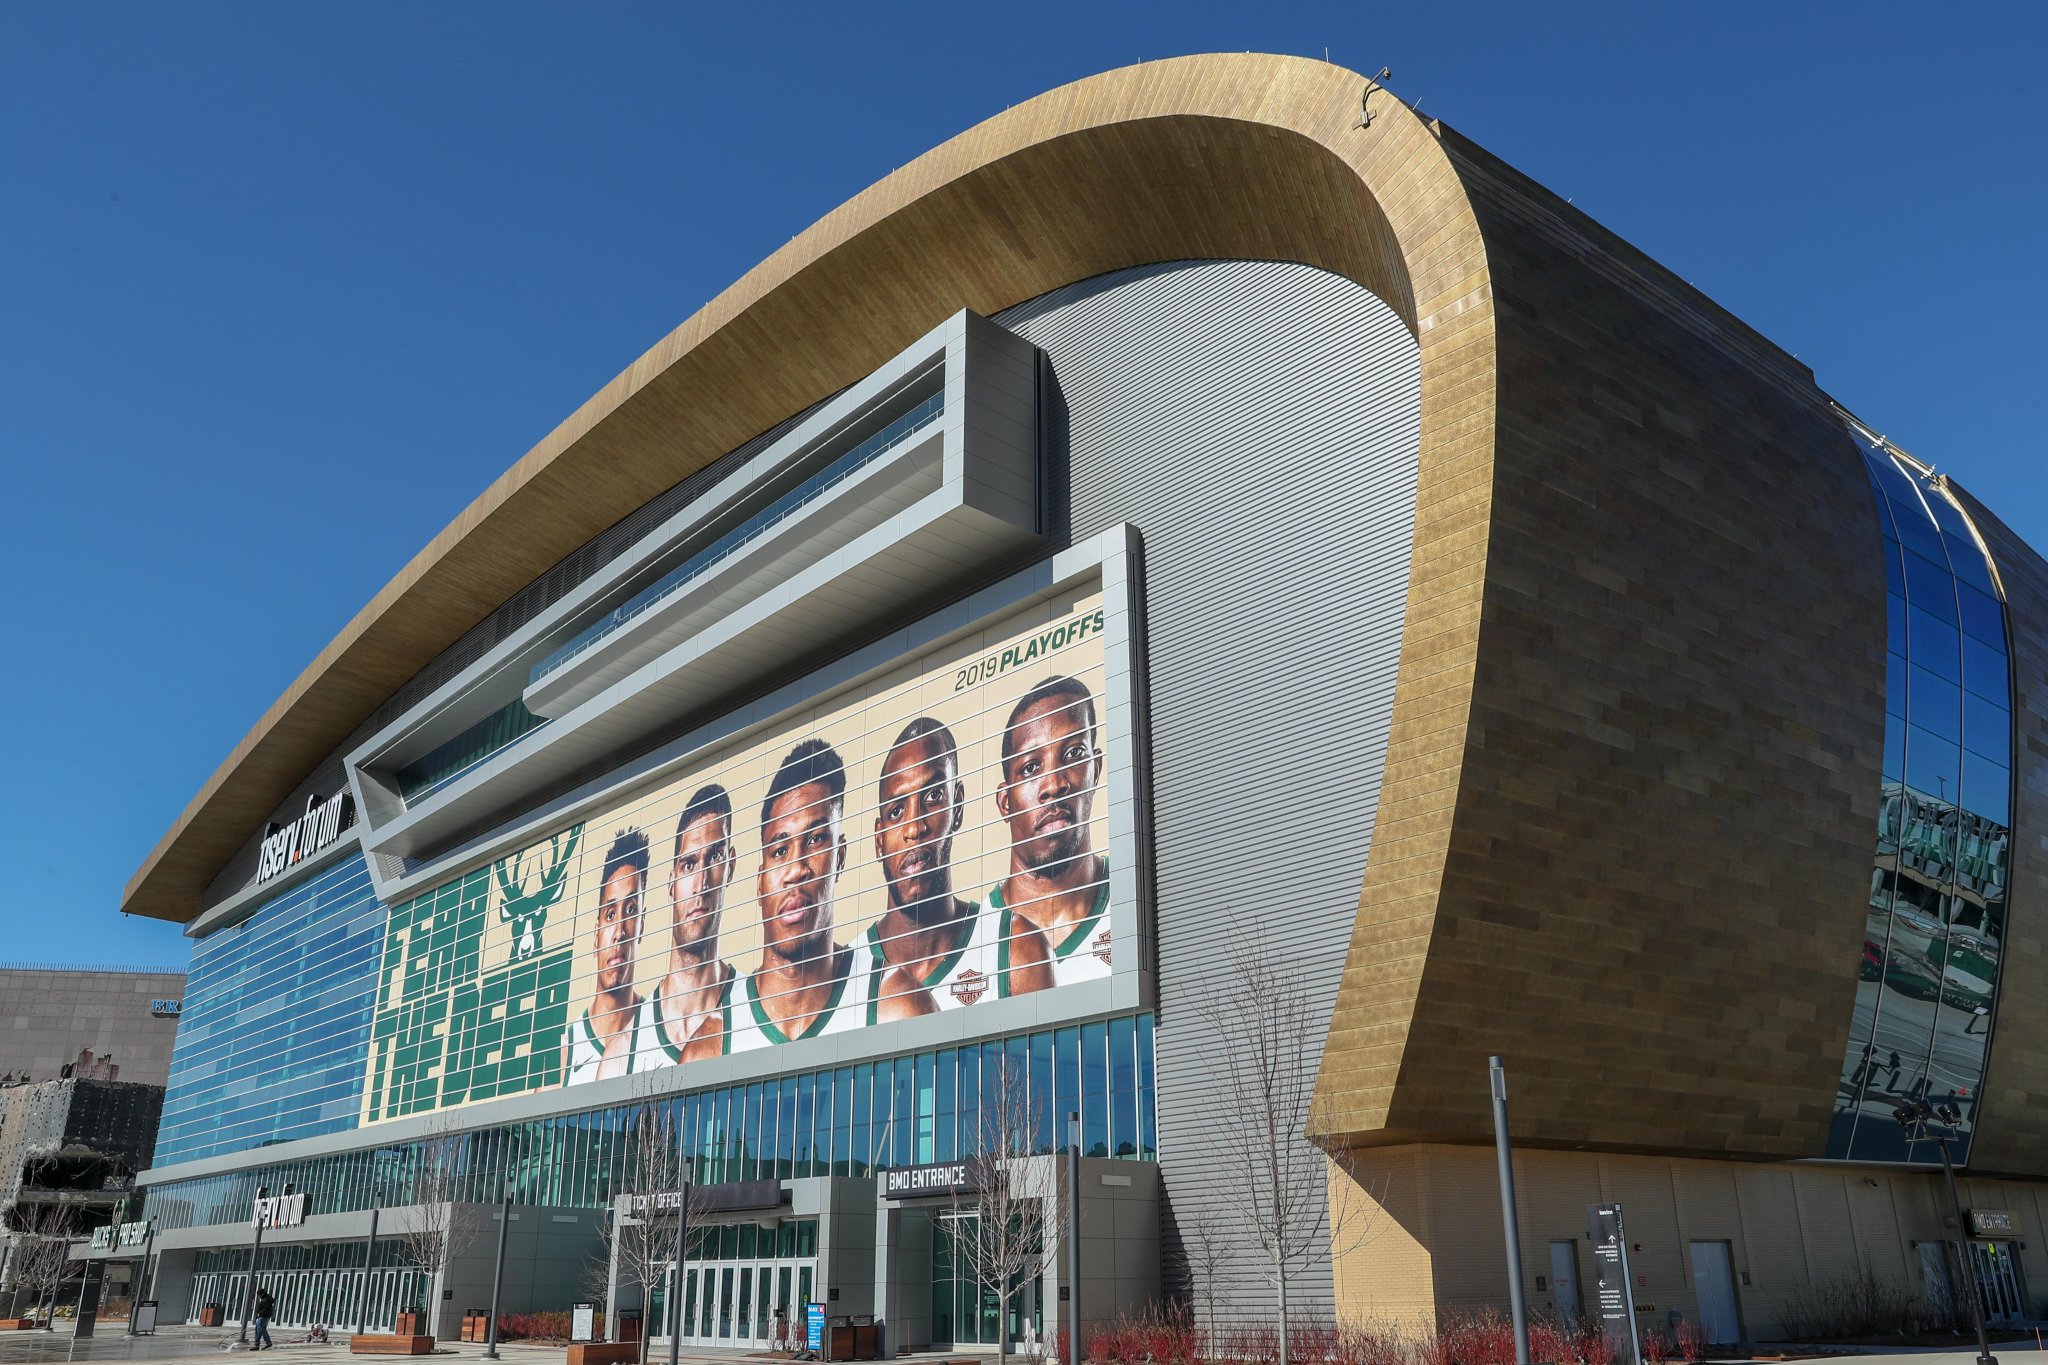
1212 156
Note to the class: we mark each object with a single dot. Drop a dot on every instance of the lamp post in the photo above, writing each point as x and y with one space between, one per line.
1511 1222
255 1250
1916 1114
498 1275
1073 1355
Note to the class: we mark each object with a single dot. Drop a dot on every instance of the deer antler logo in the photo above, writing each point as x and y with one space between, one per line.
527 911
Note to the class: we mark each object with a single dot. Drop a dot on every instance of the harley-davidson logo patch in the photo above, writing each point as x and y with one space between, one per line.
970 986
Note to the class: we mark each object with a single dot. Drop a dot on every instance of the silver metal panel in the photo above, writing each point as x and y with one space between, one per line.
1257 422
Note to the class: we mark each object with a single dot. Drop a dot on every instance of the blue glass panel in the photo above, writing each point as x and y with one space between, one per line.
1123 1087
1987 727
1932 764
1982 615
1916 533
1895 621
1936 704
1894 571
1931 587
1044 1111
1148 1139
1897 487
1987 789
1895 684
1968 561
1935 644
1894 748
1947 517
1986 672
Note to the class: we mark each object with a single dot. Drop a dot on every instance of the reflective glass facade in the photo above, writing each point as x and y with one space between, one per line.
847 1121
275 1030
1935 919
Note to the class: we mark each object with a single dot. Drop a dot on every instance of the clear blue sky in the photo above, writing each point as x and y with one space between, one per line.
282 287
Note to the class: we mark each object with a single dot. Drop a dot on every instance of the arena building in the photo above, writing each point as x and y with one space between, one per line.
1207 524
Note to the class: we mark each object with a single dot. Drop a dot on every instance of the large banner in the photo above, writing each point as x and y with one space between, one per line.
929 842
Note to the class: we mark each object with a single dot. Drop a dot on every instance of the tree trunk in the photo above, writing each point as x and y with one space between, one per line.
1280 1269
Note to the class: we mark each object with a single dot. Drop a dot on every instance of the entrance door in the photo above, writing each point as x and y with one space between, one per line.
1564 1278
1713 1287
1998 1280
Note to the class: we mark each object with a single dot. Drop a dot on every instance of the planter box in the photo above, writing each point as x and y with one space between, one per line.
408 1324
604 1353
389 1344
211 1315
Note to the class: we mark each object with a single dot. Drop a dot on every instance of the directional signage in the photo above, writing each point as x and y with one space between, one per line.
1614 1297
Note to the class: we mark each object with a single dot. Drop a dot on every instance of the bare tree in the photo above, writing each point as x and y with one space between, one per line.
1204 1251
1011 1218
1297 1200
436 1223
644 1239
42 1253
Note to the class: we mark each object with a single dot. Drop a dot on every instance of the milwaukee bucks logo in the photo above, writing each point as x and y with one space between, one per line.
527 911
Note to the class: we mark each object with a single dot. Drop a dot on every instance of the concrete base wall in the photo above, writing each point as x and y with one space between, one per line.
1422 1235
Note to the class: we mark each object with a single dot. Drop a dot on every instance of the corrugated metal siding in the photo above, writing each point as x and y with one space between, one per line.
1257 421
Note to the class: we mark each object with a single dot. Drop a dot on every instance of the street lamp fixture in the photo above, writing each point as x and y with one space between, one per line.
1918 1114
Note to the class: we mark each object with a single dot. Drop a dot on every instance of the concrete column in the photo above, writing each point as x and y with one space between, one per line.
888 1248
611 1281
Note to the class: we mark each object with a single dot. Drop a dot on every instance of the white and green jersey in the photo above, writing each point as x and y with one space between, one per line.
1079 954
845 1008
586 1053
650 1028
975 965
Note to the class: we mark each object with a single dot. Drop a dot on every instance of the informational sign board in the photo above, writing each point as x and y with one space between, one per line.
1992 1223
1614 1298
145 1318
89 1298
583 1322
814 1327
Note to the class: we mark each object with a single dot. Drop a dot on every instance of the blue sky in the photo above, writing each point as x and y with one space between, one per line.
283 287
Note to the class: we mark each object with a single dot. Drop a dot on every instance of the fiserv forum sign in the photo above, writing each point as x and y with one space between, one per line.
320 826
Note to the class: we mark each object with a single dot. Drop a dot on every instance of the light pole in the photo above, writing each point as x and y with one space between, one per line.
255 1250
1511 1222
1073 1238
498 1275
1916 1114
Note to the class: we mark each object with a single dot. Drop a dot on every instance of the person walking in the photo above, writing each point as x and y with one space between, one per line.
266 1307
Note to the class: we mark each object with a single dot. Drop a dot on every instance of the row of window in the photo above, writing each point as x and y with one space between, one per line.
927 1106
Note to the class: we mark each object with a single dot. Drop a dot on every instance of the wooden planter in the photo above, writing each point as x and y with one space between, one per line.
390 1344
604 1353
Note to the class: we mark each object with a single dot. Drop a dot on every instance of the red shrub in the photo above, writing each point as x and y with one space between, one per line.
1692 1342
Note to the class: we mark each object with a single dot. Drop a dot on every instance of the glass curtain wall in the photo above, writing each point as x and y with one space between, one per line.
276 1021
892 1112
1935 917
